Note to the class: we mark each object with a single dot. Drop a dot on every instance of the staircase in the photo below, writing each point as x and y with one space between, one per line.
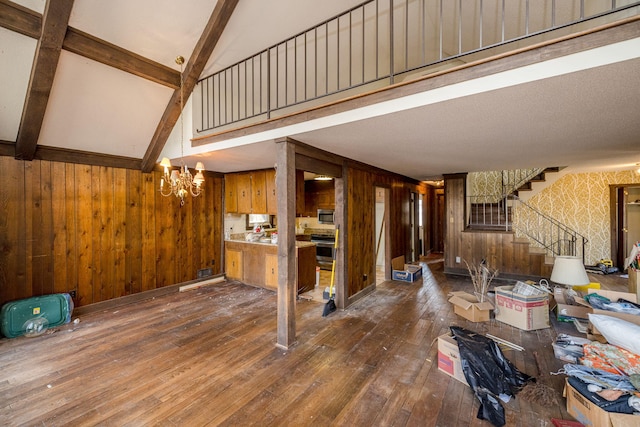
540 177
508 213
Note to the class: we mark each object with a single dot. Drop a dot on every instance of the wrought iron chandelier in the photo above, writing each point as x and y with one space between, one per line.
181 182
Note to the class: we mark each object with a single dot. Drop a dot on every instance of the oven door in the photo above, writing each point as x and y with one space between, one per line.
324 251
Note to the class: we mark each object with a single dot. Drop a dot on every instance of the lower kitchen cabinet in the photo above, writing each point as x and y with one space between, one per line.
233 259
257 264
271 271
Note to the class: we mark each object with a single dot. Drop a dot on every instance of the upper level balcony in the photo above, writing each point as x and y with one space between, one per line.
380 43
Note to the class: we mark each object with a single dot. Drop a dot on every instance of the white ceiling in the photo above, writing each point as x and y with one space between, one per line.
581 113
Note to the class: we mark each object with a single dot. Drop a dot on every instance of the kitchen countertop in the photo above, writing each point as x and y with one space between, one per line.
299 244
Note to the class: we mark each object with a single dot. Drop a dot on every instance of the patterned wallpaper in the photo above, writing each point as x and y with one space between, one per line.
581 201
488 184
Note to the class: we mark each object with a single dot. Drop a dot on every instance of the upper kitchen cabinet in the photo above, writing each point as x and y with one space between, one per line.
255 192
272 197
231 193
258 192
319 195
244 192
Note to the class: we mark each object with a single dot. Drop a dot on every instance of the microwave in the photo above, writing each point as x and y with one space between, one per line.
325 216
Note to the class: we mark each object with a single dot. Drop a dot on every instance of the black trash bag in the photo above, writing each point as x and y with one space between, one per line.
490 408
488 373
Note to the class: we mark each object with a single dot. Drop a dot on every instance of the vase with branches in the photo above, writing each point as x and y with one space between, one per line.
481 276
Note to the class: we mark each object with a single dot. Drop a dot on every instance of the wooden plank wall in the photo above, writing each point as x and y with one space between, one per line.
100 231
361 185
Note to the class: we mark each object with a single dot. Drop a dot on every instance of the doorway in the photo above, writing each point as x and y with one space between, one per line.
438 243
625 203
381 233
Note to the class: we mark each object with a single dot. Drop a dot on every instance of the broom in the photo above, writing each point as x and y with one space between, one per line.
330 306
538 392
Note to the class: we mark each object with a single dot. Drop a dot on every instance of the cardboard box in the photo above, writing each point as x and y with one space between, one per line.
614 296
404 272
449 358
567 312
634 281
526 312
590 415
467 306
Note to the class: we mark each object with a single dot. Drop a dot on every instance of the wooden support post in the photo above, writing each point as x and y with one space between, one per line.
287 288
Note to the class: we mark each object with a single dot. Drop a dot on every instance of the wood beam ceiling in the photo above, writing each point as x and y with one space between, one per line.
27 22
197 60
54 27
54 35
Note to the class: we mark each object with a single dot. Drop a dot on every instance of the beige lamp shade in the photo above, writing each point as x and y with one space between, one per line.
569 271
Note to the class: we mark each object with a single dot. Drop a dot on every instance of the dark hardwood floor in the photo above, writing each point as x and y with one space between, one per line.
208 357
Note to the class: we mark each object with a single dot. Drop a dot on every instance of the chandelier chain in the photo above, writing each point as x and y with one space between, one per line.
181 182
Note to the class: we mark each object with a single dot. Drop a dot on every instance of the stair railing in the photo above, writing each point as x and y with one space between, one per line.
510 213
512 180
556 238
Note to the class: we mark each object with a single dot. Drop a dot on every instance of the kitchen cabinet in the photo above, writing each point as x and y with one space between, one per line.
243 181
246 192
230 193
258 192
271 271
318 195
233 261
255 192
272 197
258 264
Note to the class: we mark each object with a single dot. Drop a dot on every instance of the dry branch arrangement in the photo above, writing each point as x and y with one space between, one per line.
481 276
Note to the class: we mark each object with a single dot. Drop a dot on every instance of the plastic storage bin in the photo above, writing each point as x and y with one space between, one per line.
34 315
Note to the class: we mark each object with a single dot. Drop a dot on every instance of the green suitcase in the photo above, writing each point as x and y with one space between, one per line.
32 316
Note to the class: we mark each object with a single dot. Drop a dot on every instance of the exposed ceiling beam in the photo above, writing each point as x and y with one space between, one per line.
27 22
54 27
20 19
109 54
56 154
7 148
197 60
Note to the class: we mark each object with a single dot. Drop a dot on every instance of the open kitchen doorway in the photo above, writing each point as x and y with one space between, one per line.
381 233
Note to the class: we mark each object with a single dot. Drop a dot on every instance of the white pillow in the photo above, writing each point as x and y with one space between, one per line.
618 332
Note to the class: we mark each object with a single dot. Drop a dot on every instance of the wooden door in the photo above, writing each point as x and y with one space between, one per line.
231 193
271 271
258 192
234 268
244 192
272 199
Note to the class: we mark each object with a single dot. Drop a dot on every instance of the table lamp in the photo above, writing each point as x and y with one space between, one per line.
569 271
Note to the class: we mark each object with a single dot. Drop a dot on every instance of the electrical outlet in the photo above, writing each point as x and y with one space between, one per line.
458 260
72 294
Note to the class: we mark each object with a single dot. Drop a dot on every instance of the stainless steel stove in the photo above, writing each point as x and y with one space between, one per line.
324 249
